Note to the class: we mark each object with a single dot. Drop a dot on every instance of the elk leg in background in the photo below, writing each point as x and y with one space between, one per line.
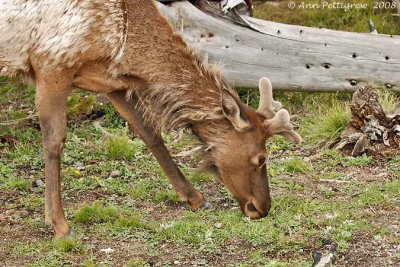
155 143
51 99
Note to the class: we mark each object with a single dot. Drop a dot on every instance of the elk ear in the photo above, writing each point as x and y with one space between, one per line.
234 113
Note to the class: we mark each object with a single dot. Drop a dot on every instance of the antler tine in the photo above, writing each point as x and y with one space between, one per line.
292 136
280 124
267 104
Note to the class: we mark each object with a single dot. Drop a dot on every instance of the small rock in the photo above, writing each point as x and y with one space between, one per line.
38 183
331 215
115 173
301 251
177 262
218 225
107 250
382 174
79 166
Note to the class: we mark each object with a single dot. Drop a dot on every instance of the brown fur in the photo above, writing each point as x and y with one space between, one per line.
157 83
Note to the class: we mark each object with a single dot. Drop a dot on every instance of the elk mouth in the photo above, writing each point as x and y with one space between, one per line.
254 211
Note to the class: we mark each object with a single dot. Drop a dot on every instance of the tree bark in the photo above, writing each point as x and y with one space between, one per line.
295 58
371 130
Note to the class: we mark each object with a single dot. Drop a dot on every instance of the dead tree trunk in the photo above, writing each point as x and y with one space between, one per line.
295 58
371 130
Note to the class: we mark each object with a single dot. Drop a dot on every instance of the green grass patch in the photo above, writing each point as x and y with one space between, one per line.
69 245
166 196
296 165
389 101
97 213
121 147
335 158
142 189
363 160
288 166
80 103
200 177
326 124
136 262
14 183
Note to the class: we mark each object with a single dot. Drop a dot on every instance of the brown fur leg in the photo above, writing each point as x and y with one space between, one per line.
51 98
184 189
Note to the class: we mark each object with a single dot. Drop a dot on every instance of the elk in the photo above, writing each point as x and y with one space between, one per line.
127 50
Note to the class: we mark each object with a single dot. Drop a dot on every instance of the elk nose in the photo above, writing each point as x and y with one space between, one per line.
252 212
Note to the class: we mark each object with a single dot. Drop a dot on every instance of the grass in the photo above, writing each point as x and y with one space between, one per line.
388 100
121 147
80 103
138 215
69 245
18 184
327 123
138 209
335 158
136 262
296 165
97 213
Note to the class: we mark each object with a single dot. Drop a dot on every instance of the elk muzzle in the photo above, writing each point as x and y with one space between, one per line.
255 210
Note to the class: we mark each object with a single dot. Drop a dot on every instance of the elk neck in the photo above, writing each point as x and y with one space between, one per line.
181 89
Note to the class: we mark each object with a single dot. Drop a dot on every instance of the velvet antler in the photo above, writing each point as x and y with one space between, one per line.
275 122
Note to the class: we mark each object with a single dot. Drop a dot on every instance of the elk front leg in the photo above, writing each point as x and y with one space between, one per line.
51 99
155 143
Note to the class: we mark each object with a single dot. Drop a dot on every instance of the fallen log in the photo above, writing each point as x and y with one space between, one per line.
295 58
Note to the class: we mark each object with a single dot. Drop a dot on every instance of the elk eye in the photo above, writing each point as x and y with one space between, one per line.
261 161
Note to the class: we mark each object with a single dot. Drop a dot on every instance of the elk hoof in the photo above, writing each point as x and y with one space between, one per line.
206 206
70 235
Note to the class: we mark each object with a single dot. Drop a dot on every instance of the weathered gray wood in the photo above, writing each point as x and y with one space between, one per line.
397 3
295 58
372 129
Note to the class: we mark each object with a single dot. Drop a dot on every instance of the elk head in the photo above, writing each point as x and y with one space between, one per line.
240 155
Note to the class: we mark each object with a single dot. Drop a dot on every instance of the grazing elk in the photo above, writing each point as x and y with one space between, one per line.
127 50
